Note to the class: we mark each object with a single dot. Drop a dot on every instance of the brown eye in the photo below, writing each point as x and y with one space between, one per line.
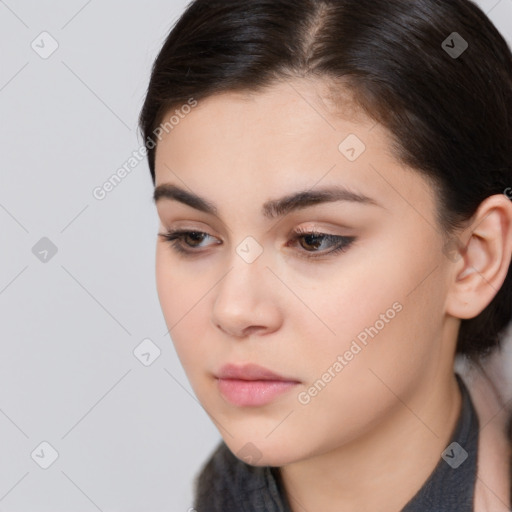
196 236
313 240
179 240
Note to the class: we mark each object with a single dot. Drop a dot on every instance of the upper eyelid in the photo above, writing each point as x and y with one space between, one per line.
294 217
297 231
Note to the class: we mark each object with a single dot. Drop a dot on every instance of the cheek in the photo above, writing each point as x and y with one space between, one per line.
383 307
349 302
382 357
183 302
169 287
180 288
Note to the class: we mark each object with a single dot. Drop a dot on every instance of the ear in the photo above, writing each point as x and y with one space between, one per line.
483 258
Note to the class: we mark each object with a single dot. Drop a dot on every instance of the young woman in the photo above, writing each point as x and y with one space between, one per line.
331 180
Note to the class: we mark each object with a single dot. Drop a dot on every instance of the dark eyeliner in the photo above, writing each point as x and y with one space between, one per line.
341 243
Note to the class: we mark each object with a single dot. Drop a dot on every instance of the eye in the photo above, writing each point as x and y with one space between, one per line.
186 242
177 238
314 238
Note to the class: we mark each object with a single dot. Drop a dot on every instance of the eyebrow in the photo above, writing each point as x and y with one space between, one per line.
270 209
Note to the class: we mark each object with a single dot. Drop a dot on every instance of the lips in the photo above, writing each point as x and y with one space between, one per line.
251 385
250 372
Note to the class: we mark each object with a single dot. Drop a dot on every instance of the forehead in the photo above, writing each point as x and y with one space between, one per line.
283 121
292 135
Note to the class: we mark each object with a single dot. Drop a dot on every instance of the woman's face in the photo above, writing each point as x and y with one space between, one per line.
355 333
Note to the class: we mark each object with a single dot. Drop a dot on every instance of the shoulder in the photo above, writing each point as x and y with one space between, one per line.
214 474
487 382
224 481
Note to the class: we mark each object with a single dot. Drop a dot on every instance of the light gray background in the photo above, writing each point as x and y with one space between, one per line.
129 437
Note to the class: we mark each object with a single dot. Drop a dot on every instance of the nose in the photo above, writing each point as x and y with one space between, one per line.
247 300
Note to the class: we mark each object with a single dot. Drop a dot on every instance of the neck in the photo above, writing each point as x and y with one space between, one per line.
386 468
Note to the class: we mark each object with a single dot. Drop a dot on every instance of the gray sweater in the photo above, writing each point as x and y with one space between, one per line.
227 484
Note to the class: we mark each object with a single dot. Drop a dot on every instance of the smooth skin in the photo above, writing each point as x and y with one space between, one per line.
370 439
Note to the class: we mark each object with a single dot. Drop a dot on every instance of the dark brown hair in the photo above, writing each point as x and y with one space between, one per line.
449 115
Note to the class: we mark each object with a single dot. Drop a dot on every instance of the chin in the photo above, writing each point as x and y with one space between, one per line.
263 453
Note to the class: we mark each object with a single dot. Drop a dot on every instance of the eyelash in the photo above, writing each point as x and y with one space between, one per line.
175 238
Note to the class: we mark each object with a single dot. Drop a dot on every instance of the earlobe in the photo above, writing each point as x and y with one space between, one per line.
485 259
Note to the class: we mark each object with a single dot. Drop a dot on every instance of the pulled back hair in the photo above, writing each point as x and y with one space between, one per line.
450 117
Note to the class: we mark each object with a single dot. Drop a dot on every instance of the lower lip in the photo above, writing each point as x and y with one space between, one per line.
252 393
